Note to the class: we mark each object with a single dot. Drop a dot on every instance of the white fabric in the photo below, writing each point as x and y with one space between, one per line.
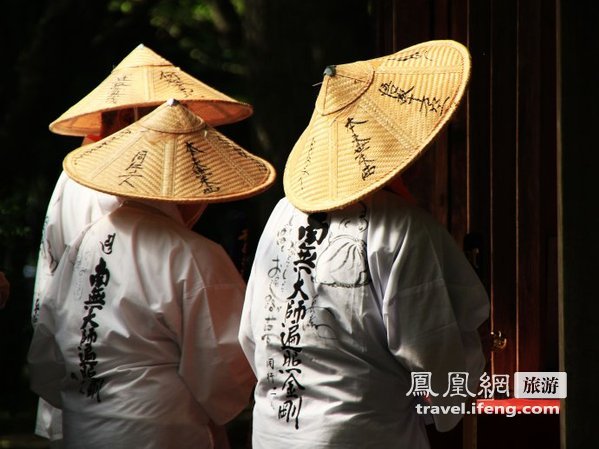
71 208
136 340
340 309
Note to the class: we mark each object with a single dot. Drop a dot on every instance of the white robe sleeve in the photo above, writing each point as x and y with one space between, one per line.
212 364
46 366
433 303
45 361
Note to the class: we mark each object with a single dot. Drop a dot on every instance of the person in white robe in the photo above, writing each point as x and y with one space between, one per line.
72 206
136 339
360 308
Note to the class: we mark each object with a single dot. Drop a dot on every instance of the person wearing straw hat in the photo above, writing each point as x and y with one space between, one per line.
144 314
355 295
139 83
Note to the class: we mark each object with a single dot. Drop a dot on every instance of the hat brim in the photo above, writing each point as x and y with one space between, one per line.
145 79
170 155
372 120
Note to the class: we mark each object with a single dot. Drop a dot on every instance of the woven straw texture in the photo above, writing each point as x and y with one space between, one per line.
146 79
170 155
371 120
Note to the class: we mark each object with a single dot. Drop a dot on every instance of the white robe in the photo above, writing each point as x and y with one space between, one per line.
136 340
72 207
341 308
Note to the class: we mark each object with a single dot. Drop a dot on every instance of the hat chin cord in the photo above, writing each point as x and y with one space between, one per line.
398 186
191 212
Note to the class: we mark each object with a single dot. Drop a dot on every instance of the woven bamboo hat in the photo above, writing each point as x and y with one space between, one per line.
170 155
145 79
371 120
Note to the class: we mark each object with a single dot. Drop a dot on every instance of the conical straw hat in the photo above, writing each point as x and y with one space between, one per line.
371 120
145 79
170 155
